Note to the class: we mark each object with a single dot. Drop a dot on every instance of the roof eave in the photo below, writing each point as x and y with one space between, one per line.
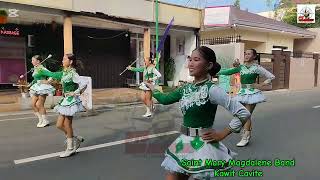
307 34
304 34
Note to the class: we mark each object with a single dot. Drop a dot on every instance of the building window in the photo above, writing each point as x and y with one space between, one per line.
281 47
180 46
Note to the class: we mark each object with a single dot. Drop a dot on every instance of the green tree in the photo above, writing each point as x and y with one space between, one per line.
237 3
285 4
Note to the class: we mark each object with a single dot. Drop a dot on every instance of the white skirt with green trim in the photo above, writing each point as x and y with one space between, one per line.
69 106
250 96
144 87
41 89
196 158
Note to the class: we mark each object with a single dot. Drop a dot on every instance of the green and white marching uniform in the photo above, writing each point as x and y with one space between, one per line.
248 75
38 88
149 74
71 83
198 103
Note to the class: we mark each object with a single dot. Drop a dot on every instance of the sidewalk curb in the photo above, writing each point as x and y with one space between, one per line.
100 108
96 110
279 91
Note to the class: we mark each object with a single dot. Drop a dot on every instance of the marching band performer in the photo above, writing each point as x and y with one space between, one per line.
198 102
72 86
150 75
39 91
250 93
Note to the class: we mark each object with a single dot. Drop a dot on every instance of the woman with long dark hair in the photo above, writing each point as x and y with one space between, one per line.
73 87
39 91
198 142
150 75
250 94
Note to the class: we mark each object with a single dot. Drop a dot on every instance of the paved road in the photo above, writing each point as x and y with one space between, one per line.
286 127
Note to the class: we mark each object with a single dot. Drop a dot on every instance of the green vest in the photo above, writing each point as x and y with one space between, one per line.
66 78
248 75
39 74
147 72
195 105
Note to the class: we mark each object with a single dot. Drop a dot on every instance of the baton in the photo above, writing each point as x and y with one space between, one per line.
19 85
126 68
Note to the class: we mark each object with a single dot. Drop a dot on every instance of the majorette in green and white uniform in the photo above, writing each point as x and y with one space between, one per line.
71 83
150 73
248 75
38 88
198 103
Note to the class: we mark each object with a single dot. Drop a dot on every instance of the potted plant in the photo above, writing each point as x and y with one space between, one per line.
23 87
169 71
3 16
58 88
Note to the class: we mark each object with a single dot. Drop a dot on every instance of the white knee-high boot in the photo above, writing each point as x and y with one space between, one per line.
148 113
38 115
245 138
45 121
70 148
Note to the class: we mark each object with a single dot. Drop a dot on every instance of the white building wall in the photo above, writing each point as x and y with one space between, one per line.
189 41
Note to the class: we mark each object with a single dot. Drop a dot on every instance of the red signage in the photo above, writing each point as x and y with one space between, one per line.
9 32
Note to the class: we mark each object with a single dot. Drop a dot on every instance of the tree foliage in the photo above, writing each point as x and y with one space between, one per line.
237 3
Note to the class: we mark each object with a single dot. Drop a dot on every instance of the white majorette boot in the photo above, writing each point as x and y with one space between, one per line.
153 107
38 115
45 121
245 138
69 150
148 113
77 140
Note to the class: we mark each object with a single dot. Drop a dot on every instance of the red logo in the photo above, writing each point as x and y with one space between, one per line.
15 32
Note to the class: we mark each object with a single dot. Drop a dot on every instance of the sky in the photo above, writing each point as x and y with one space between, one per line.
254 6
